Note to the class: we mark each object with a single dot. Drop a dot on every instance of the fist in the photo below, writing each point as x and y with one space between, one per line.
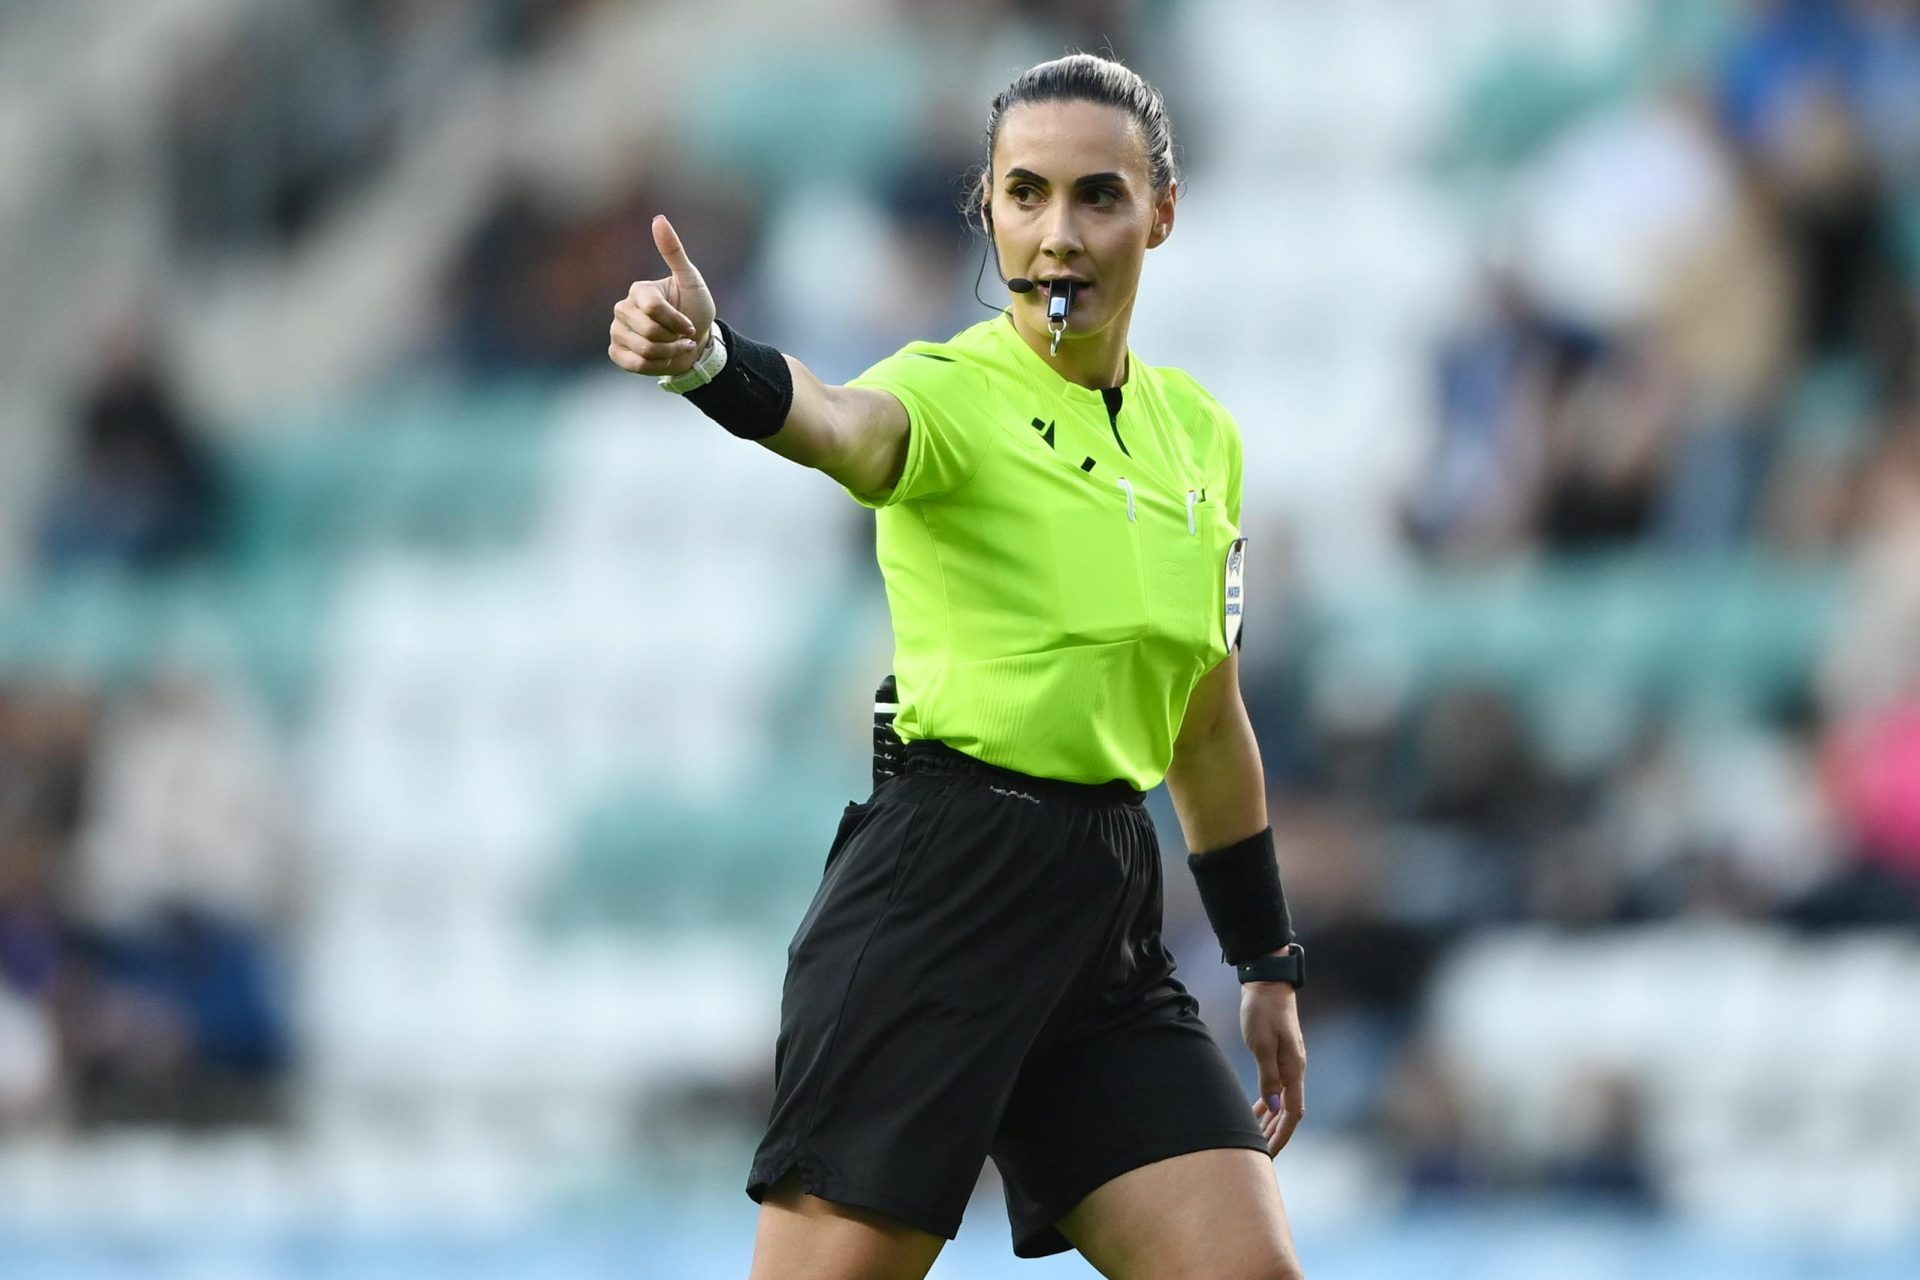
660 326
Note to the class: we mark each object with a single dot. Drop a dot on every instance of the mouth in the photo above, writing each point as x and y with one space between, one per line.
1061 295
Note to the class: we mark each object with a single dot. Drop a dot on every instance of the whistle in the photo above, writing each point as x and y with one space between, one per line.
1059 302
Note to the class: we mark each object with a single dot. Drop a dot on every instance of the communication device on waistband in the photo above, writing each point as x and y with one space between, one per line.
887 747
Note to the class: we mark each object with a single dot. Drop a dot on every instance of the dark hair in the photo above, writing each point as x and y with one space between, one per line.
1086 77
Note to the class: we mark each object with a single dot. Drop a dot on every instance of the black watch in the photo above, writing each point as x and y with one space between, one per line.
1290 967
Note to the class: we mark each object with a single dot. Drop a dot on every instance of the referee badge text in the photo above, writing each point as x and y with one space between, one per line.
1236 588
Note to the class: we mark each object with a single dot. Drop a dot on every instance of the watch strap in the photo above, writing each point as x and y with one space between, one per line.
1289 966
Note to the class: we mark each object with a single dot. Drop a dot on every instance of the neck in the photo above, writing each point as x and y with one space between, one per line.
1094 360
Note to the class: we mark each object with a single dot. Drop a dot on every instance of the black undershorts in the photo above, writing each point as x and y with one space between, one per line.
981 975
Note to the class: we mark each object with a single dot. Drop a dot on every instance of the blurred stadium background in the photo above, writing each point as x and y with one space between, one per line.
418 740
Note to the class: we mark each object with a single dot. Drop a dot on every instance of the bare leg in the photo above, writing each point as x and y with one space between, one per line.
1208 1215
803 1237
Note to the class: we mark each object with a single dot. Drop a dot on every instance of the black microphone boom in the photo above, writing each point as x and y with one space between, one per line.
1020 284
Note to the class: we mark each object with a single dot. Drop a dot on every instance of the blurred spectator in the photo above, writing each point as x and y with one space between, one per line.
1875 770
1604 1156
1875 660
1722 336
1605 441
530 289
522 26
176 1019
1495 378
144 870
274 124
44 739
1425 1117
182 877
185 804
1886 84
1729 824
1480 797
1839 225
143 491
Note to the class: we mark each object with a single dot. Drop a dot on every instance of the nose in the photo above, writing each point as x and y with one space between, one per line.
1060 240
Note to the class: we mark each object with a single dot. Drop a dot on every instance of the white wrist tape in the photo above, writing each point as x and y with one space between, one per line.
707 367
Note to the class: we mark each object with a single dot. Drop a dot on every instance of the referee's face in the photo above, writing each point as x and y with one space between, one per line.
1070 196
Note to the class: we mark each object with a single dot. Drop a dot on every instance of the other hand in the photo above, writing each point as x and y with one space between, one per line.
1270 1024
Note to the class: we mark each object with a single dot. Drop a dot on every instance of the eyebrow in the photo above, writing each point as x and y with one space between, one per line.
1091 179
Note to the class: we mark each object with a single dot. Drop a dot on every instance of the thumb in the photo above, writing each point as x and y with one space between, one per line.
667 240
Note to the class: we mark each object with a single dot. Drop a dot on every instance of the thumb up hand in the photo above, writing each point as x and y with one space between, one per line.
660 326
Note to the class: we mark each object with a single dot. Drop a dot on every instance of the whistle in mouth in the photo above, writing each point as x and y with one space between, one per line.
1059 302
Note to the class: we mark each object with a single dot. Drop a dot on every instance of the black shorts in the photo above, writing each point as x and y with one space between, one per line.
981 975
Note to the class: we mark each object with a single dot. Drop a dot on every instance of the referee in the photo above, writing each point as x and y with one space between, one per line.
981 974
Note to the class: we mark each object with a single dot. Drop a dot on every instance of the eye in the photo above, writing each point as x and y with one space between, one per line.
1024 192
1101 197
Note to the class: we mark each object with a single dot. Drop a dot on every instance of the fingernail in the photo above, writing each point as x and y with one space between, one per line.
1273 1102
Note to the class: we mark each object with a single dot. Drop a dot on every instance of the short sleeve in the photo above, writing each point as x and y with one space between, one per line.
946 437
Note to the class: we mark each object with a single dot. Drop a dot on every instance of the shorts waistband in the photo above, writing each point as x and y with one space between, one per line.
930 755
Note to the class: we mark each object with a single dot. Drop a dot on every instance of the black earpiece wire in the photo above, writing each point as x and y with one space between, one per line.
1021 285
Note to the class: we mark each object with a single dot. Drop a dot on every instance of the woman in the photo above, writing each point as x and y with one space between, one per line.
981 972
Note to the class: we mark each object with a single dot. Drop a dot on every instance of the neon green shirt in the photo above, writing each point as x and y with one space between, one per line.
1056 572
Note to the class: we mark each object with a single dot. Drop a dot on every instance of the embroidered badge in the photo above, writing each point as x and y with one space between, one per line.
1236 588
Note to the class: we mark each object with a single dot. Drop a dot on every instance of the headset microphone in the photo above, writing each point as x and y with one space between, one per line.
1059 293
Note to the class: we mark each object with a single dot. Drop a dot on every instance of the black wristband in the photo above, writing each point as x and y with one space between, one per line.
752 395
1240 889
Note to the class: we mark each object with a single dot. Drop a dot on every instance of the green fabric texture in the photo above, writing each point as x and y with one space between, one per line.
1056 578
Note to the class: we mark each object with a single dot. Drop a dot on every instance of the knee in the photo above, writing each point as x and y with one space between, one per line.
1283 1267
1279 1266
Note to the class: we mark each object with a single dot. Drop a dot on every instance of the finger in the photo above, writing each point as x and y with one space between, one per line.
634 362
649 306
667 240
654 345
1273 1080
1295 1112
1273 1084
1270 1124
1283 1134
653 318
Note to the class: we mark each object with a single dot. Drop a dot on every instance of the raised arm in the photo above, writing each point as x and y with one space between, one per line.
661 328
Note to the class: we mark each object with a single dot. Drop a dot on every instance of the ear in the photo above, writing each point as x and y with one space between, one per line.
986 207
1163 217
